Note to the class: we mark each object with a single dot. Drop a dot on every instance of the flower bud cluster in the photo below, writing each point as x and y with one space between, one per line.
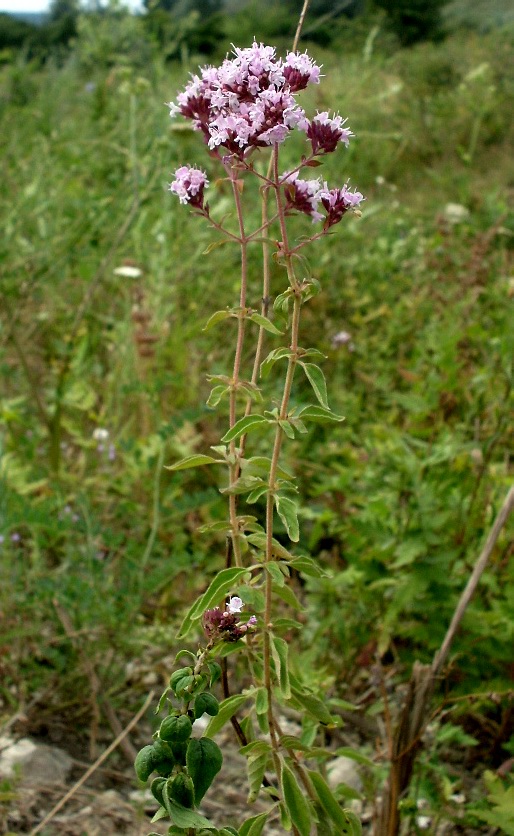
224 625
309 196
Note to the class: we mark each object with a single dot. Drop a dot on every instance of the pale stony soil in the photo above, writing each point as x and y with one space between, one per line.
110 802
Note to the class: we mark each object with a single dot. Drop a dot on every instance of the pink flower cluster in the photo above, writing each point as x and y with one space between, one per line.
248 102
189 185
309 196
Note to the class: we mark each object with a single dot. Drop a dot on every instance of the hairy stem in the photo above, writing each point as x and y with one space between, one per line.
234 464
270 499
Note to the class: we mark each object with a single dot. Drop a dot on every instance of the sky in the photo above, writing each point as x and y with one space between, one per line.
42 5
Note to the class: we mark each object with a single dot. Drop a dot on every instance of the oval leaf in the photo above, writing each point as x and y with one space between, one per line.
203 761
227 709
319 414
286 509
296 803
196 460
317 380
265 323
243 426
181 816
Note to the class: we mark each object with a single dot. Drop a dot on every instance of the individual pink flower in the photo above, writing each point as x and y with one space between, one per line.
189 185
326 132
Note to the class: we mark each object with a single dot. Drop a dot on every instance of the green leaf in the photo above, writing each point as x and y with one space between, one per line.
203 761
175 729
254 826
329 802
181 789
281 302
317 380
243 426
256 767
290 598
319 414
259 540
265 323
206 704
144 763
215 672
227 709
262 464
162 700
308 566
274 570
261 701
286 509
216 395
296 803
354 827
313 705
269 361
219 316
185 654
219 586
279 651
196 460
222 241
183 817
160 814
287 427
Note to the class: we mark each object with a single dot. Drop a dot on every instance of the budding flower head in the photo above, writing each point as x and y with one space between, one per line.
337 202
189 185
303 195
224 625
326 132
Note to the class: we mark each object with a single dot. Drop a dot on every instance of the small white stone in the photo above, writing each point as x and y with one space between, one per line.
344 770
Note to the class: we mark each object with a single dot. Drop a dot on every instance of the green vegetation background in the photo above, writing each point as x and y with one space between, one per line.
398 499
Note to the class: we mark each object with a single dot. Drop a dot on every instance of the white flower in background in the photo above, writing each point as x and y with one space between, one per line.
128 272
235 605
455 213
423 822
100 434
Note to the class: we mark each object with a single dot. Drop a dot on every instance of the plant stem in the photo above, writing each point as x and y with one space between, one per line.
234 464
270 498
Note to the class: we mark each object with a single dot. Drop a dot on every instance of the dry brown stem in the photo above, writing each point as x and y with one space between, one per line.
413 718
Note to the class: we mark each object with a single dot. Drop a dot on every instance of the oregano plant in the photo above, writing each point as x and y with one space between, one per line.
245 110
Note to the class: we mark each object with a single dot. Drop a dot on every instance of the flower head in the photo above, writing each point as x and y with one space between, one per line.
189 185
224 625
303 195
337 202
248 102
326 132
300 70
